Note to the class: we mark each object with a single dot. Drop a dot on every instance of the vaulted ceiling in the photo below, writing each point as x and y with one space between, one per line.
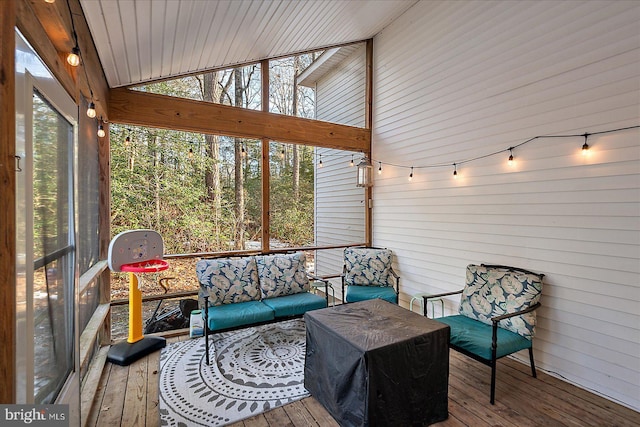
145 40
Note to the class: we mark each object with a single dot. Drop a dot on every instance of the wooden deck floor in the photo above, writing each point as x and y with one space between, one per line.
128 396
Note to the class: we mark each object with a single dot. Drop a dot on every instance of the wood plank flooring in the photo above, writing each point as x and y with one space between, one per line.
128 396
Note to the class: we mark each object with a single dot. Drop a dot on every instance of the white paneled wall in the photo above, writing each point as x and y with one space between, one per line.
455 81
340 96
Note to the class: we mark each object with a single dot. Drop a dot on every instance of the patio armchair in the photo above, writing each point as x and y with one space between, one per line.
497 315
367 274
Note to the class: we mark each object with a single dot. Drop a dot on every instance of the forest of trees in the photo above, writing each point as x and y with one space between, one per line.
202 193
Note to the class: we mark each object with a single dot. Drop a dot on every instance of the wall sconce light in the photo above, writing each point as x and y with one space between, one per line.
365 173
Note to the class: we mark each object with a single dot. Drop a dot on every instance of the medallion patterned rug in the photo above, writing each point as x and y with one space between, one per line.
252 370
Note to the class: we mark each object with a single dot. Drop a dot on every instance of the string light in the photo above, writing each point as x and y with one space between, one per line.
101 132
282 153
585 146
190 154
511 159
320 162
379 168
243 152
411 174
73 58
91 110
127 141
351 162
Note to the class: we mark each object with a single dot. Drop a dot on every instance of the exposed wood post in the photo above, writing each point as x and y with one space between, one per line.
264 168
104 226
8 200
368 118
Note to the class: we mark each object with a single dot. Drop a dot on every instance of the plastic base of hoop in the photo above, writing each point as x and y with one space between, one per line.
125 353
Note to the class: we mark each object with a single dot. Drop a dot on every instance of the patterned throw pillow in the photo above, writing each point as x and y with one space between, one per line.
492 291
229 280
367 266
282 274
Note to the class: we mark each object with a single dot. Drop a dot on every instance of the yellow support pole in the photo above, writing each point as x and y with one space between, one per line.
135 310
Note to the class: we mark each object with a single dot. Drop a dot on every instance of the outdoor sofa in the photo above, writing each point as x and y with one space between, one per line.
256 289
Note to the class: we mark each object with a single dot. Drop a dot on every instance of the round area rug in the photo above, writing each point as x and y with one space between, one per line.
252 370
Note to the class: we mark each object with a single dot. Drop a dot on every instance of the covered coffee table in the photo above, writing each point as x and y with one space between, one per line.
373 363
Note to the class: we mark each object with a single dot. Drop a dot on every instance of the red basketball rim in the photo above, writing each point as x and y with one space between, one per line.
149 266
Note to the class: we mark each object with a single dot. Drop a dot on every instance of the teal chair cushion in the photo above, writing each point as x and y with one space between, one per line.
363 293
296 304
238 314
475 337
492 291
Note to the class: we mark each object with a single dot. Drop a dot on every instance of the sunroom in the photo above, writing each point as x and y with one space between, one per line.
437 96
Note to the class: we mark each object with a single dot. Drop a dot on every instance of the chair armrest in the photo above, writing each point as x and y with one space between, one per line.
446 294
497 319
494 326
317 278
324 282
397 280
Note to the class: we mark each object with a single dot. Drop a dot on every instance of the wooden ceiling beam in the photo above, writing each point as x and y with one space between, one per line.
160 111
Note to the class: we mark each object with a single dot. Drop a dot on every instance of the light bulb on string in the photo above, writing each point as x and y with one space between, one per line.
101 132
73 58
510 161
91 110
282 153
127 141
379 168
351 162
455 171
243 152
411 174
190 154
585 146
320 162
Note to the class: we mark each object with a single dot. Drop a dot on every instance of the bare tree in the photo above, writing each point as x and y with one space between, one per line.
239 175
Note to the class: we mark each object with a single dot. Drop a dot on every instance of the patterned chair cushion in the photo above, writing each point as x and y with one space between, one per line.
229 280
367 266
492 291
282 274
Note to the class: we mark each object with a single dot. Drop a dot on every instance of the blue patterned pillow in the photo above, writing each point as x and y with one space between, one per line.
492 291
367 266
282 274
229 280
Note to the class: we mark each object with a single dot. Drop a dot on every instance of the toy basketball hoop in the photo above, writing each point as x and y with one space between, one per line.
152 266
136 252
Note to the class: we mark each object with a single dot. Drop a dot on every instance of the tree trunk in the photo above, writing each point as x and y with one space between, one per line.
296 154
239 175
212 147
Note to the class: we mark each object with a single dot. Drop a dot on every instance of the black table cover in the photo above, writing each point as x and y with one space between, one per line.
372 363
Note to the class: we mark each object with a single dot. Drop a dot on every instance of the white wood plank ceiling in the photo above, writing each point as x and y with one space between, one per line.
144 40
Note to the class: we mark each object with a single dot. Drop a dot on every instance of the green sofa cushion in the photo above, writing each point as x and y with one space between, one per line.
238 314
475 337
363 293
293 305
